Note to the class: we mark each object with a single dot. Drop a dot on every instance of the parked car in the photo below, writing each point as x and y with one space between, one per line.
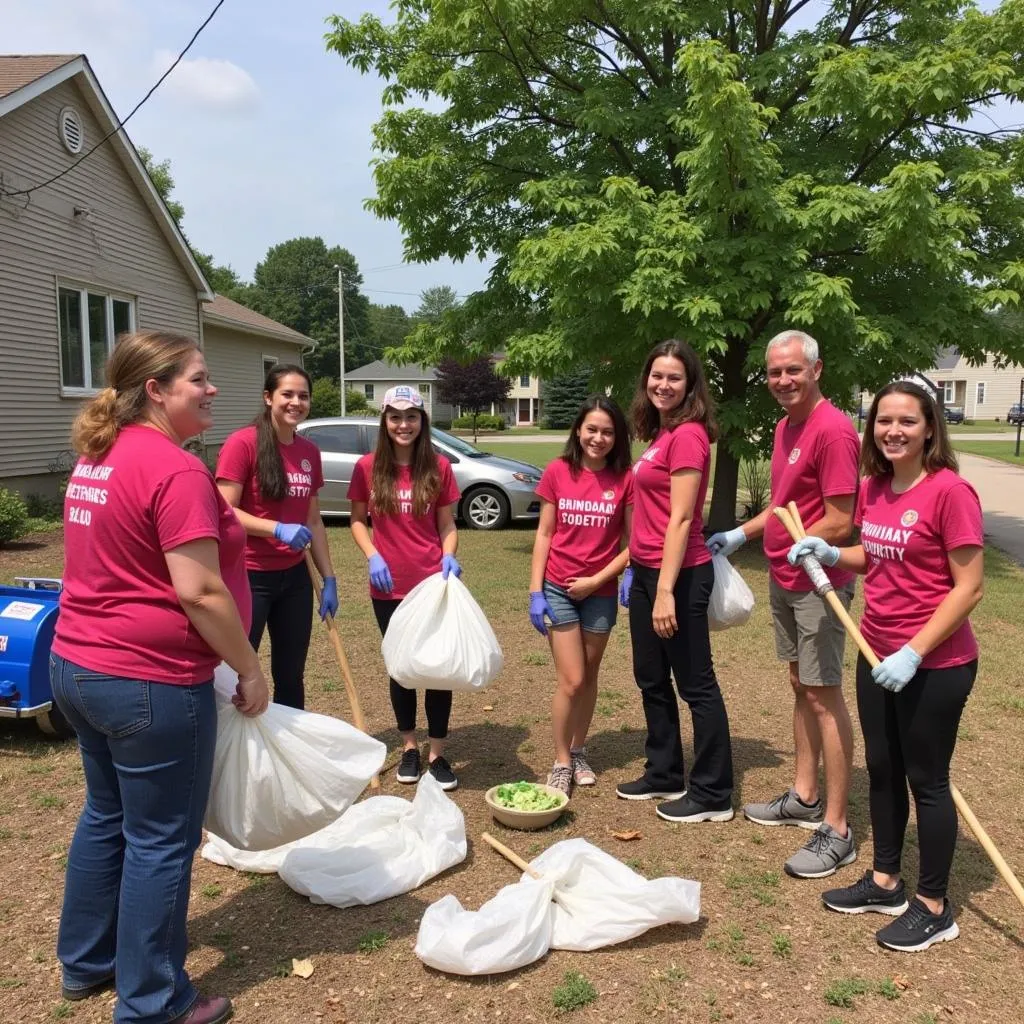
495 490
953 413
1016 414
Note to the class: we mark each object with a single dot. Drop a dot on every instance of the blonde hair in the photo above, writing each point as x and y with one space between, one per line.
137 358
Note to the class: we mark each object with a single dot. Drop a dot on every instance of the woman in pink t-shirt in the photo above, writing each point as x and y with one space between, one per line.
667 589
921 553
578 554
271 476
154 597
410 493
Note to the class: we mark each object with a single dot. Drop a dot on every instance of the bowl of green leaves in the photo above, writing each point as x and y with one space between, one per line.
525 805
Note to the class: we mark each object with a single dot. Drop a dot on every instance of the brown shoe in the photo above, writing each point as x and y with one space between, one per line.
207 1010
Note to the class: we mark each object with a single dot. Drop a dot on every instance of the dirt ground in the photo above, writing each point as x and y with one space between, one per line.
763 950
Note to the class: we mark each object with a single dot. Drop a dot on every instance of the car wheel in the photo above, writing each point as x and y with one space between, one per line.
485 508
53 724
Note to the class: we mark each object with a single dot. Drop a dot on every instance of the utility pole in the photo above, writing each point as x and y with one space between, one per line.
341 334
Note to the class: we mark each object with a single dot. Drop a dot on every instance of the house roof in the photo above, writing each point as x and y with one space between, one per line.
380 369
23 77
226 312
946 359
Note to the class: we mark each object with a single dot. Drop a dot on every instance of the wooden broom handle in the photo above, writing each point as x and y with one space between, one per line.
510 855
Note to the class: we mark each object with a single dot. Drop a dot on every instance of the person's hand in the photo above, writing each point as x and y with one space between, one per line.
329 598
539 607
664 615
727 542
296 535
450 564
898 669
251 695
380 574
625 587
816 546
580 587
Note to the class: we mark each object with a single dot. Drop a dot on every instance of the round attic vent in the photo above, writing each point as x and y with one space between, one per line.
71 130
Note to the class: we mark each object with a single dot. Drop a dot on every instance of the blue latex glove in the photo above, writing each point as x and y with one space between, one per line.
898 669
380 574
450 564
625 586
821 549
295 535
727 542
539 607
329 598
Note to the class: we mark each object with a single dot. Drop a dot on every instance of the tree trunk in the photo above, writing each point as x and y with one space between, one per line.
727 467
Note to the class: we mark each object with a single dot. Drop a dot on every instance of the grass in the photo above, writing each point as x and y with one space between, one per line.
782 945
371 942
842 992
212 891
1003 451
981 427
574 992
48 802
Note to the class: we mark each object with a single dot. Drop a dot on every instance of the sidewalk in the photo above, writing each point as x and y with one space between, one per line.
1001 489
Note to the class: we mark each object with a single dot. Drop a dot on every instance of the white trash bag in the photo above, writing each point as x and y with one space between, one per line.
285 774
585 899
440 639
732 601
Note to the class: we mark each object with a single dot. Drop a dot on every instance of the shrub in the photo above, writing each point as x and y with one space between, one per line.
355 402
13 516
484 421
757 482
325 399
42 506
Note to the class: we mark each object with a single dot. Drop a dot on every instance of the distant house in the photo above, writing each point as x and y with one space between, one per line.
88 250
983 392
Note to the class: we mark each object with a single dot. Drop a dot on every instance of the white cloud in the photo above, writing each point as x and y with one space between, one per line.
208 82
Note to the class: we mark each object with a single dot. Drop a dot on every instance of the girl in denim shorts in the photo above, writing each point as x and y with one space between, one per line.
580 549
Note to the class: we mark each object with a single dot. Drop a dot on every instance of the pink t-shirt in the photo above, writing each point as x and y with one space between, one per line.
302 466
119 613
907 539
812 461
589 519
410 544
685 447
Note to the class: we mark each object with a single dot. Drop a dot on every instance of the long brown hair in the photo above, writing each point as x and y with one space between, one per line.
270 474
619 458
137 358
424 470
938 452
697 405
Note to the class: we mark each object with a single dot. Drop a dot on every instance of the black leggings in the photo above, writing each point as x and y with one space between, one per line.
909 737
687 656
282 601
437 703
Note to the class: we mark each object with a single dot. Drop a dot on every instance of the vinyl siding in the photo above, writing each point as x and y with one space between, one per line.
435 410
119 248
1002 388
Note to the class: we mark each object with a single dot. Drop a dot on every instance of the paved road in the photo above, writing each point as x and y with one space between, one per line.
1001 489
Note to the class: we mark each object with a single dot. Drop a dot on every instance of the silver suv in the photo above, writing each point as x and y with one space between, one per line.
494 490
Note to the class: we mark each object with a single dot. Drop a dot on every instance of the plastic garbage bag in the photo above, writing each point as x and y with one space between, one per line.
285 774
440 639
732 601
594 901
379 848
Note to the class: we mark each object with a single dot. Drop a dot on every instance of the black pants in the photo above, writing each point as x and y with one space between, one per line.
687 656
282 601
909 737
437 703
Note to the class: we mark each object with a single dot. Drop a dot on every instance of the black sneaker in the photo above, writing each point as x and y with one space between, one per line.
919 928
866 896
641 789
409 767
442 771
687 809
73 995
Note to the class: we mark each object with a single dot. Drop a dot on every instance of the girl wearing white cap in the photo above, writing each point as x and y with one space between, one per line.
410 493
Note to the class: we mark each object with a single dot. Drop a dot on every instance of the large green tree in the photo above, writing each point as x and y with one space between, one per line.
715 171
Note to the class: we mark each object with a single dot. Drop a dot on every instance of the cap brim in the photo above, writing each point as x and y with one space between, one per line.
402 404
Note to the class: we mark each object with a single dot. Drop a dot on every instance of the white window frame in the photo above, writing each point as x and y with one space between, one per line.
948 392
524 380
425 389
84 291
368 392
979 392
268 363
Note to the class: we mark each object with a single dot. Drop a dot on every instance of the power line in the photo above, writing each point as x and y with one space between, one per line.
121 124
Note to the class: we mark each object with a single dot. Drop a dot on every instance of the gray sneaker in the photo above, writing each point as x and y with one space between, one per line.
787 809
825 851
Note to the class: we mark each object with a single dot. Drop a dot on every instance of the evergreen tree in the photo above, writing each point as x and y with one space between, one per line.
563 396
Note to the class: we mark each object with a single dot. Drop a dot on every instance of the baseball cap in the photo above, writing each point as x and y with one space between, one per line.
402 396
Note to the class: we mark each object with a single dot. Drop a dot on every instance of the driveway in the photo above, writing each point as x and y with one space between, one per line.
1001 489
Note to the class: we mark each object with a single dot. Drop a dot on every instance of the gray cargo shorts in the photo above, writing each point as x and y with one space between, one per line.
808 632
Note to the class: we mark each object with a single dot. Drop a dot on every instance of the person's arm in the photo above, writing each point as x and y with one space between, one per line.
194 569
253 525
584 586
967 566
319 546
754 528
682 499
542 545
446 529
360 529
836 525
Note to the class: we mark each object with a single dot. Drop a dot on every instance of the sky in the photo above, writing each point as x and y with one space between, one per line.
268 134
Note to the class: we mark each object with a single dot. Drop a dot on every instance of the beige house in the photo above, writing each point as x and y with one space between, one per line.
374 379
983 392
88 250
524 407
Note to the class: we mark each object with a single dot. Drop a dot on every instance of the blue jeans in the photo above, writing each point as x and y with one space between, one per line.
147 750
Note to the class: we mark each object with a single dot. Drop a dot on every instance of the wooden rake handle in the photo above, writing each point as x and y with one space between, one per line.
510 855
790 518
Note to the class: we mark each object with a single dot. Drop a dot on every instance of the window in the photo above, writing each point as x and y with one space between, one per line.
524 380
90 321
425 390
368 391
269 362
342 438
947 392
979 394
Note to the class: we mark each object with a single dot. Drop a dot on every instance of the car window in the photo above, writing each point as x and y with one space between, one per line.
456 444
340 438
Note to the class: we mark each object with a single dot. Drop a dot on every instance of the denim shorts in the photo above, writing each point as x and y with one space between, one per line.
595 614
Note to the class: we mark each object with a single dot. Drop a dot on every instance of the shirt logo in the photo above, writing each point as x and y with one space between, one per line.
794 455
608 495
307 466
909 517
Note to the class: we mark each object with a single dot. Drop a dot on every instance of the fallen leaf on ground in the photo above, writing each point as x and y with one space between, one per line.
628 835
488 707
302 968
901 981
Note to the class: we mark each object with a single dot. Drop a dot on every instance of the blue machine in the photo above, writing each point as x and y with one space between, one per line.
28 618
